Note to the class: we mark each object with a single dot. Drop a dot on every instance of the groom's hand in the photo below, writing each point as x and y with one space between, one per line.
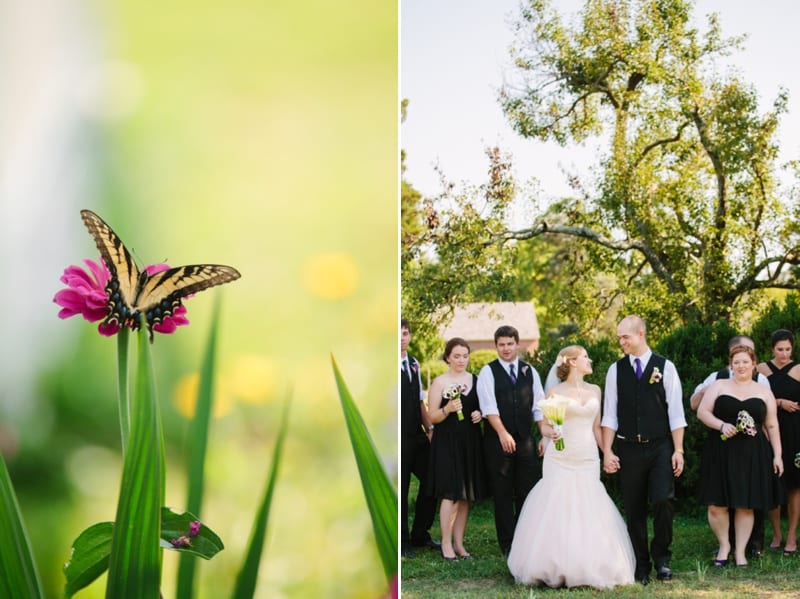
610 462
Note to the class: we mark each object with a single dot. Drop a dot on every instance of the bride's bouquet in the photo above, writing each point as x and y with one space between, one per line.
744 424
451 393
554 409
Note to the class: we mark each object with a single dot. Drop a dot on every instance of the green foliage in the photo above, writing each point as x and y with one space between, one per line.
248 575
134 568
198 433
378 491
777 315
682 219
18 574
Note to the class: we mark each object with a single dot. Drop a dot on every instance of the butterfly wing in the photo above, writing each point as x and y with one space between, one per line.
125 275
162 292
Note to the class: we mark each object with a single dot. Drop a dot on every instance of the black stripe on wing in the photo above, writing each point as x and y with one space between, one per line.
161 293
125 274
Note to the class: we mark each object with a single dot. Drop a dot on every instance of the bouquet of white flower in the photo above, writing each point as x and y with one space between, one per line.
554 409
744 424
451 393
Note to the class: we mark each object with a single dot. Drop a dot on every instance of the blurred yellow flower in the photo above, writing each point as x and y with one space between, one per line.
253 379
185 397
331 275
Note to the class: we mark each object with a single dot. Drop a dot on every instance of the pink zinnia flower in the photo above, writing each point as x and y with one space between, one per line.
86 295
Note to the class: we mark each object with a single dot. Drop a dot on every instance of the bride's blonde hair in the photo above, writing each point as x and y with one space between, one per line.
571 352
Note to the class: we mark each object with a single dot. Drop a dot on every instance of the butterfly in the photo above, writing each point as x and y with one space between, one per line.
132 291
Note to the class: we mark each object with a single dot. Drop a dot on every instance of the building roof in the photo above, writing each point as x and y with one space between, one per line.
478 321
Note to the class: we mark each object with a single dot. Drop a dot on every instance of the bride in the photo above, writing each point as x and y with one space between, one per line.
569 531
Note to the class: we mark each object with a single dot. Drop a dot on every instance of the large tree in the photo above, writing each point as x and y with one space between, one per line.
684 217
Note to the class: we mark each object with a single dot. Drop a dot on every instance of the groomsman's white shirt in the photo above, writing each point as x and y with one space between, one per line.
487 399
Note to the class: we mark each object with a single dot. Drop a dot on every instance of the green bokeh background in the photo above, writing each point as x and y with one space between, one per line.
261 135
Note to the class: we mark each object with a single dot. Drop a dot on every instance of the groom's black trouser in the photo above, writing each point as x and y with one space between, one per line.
646 473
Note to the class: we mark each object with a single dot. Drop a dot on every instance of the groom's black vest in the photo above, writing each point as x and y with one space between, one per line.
514 401
642 405
410 416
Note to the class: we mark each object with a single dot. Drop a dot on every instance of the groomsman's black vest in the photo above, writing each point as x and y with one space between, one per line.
642 405
410 417
514 401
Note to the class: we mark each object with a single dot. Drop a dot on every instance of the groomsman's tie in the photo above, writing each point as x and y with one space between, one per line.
405 370
638 368
511 374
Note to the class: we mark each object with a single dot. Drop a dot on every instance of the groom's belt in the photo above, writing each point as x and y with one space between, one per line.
639 439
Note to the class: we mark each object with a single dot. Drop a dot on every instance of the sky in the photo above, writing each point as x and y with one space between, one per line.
453 55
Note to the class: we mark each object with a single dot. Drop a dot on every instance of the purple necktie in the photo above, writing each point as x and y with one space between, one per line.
638 368
511 374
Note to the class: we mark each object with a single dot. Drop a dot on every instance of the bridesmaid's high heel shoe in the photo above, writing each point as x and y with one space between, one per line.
448 559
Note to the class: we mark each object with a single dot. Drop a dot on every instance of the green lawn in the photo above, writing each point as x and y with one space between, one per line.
429 576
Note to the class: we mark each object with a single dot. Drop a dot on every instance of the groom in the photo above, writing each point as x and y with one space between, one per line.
509 391
643 411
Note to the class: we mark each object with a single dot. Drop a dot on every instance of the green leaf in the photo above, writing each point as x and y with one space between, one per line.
246 580
88 558
135 564
198 442
18 574
205 543
378 490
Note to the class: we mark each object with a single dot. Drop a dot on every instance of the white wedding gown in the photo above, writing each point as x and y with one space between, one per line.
569 532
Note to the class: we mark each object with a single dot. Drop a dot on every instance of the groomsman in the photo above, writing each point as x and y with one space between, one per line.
415 443
643 412
509 391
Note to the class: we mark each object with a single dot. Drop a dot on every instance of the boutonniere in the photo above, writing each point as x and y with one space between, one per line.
415 366
656 376
524 370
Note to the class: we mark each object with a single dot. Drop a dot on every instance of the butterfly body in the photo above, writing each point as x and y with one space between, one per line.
133 292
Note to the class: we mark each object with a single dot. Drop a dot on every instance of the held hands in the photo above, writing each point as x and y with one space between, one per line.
475 416
788 406
677 463
610 462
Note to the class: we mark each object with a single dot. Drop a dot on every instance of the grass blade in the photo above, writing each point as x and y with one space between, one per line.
134 569
378 490
246 580
198 442
18 574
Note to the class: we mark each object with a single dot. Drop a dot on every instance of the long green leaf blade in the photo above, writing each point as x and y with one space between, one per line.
134 569
198 442
246 580
18 574
378 490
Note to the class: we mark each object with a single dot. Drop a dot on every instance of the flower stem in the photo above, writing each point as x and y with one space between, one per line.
122 387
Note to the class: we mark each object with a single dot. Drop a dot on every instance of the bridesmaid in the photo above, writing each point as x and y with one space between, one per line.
784 380
456 470
735 471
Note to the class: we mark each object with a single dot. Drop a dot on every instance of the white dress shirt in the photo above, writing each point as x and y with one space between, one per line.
761 380
487 399
672 386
